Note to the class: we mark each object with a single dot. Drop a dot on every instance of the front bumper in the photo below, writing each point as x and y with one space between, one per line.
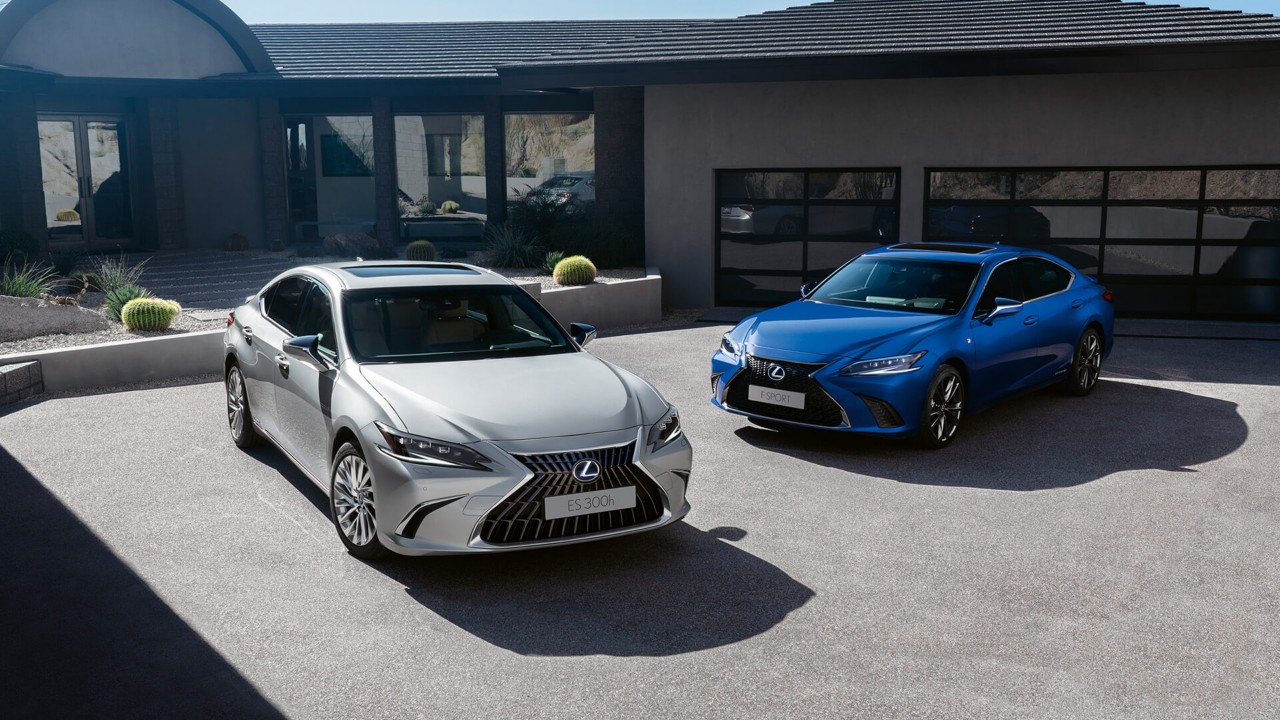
883 405
432 510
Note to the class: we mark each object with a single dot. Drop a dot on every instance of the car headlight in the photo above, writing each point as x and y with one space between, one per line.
665 430
885 366
728 345
431 452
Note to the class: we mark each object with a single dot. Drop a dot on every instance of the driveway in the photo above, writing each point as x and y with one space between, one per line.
1114 556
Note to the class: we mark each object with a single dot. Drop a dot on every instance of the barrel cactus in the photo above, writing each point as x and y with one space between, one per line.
449 207
420 250
576 270
149 314
116 299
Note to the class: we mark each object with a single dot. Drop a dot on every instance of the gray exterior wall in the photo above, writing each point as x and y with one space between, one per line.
1183 118
222 172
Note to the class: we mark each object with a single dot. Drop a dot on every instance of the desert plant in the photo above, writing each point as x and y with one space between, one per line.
451 253
29 280
420 250
509 247
576 270
553 258
64 263
449 207
426 207
150 314
535 213
116 272
17 245
116 299
87 280
68 215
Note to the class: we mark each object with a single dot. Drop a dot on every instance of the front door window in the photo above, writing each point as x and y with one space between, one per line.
87 190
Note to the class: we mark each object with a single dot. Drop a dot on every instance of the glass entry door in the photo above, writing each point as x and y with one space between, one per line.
87 184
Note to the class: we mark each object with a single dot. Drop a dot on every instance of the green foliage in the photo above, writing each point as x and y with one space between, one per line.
553 258
536 214
576 270
17 245
150 314
449 207
420 250
426 207
115 273
29 280
452 253
119 297
509 247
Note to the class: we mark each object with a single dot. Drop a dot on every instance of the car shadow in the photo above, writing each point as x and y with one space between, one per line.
667 592
1039 442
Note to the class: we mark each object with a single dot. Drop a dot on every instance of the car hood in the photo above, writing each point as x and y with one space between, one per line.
517 398
829 330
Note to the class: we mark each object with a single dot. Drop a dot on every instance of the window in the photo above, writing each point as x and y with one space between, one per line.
777 229
1041 278
440 159
283 302
1005 282
546 148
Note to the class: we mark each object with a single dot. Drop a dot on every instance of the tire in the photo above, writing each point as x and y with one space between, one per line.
1086 365
944 406
239 416
352 504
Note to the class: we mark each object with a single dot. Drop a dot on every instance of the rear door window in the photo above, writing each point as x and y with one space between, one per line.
1043 277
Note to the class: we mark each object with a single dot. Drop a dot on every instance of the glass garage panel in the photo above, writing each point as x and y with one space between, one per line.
1057 221
857 221
853 186
759 290
1154 185
762 185
1060 185
757 219
950 185
752 253
1153 223
825 257
1150 259
1253 301
1242 185
1140 299
1235 262
1242 223
973 222
1081 257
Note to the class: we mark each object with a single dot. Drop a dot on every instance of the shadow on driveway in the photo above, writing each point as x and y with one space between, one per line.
81 635
1039 442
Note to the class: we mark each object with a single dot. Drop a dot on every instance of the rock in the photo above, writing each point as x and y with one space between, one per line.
22 318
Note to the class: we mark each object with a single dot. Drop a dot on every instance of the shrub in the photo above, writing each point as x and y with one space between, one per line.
64 263
513 248
553 258
449 207
420 250
27 281
453 253
17 245
535 213
576 270
150 314
115 273
116 299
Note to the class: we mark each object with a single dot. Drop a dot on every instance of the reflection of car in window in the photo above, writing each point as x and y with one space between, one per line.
572 192
987 221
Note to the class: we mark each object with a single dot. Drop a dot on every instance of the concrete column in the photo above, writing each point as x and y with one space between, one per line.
384 173
620 159
21 179
495 160
166 174
275 178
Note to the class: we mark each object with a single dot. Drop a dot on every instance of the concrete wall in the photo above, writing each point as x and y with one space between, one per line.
123 39
128 362
222 171
619 304
1176 118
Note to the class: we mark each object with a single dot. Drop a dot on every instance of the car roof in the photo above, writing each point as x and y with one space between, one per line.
968 252
379 274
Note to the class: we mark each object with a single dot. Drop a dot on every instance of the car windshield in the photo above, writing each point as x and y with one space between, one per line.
561 181
926 286
448 323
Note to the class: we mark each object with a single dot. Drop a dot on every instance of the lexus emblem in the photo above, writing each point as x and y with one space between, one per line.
777 373
586 471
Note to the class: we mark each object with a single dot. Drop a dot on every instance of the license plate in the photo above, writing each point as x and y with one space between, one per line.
589 503
785 398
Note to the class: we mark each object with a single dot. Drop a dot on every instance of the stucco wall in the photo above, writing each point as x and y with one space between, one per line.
124 39
222 174
1187 118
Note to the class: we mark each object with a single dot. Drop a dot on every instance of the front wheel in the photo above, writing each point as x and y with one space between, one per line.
352 504
239 417
943 409
1086 365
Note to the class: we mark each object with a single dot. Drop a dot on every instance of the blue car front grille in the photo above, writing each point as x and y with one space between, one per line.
819 408
521 517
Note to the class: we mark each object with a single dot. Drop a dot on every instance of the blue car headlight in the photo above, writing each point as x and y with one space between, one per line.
665 430
885 366
728 345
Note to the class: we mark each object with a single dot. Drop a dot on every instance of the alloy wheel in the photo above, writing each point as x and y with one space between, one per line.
236 402
1090 365
353 500
946 405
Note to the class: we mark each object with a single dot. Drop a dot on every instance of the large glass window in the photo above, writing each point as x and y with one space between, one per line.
1170 241
552 155
331 166
778 229
440 173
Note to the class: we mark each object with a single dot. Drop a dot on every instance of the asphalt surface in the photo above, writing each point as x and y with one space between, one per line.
1106 557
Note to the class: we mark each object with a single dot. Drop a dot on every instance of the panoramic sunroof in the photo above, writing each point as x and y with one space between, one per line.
383 271
944 247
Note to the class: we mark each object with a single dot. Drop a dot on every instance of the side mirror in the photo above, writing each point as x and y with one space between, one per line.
807 289
583 334
1004 306
306 350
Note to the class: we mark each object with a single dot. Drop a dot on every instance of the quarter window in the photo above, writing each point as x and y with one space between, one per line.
1041 278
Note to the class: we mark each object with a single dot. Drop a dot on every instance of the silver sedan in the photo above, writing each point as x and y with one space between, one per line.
444 411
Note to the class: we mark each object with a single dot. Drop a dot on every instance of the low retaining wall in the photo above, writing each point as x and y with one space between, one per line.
128 362
20 381
607 306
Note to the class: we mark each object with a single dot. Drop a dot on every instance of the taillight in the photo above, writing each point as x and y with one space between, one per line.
568 195
231 319
1108 296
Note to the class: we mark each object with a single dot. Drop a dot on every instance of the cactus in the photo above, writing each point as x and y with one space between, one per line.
449 207
149 314
116 299
576 270
420 250
68 215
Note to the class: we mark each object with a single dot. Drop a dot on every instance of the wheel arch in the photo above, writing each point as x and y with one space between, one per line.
345 434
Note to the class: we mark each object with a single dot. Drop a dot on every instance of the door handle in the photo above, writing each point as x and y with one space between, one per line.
248 334
282 362
1077 303
1032 320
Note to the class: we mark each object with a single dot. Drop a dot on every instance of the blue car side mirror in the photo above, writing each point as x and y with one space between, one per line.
1004 306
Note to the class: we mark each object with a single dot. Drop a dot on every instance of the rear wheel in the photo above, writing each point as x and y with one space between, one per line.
352 504
1086 365
943 409
239 416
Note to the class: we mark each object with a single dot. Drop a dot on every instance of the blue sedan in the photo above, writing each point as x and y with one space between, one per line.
909 340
